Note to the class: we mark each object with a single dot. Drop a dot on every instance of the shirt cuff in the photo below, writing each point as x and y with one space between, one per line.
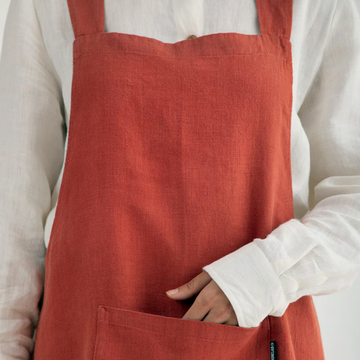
250 283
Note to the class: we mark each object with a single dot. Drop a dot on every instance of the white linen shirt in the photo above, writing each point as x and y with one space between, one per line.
317 252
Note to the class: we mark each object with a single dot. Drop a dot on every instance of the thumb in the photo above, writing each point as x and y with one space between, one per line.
191 288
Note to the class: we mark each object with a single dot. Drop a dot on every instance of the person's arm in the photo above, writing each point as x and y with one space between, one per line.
319 254
31 156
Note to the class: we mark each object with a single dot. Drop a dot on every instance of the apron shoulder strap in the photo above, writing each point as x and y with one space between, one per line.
275 17
87 16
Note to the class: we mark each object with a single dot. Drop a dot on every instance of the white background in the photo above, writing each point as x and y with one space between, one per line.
339 314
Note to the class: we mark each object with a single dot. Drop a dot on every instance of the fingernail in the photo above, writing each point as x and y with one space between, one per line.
172 292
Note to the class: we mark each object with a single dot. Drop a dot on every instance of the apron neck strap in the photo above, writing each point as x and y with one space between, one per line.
275 17
87 16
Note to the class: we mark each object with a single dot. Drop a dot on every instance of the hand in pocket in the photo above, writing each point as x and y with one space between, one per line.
211 305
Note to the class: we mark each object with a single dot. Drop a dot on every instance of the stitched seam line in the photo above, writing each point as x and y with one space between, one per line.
177 335
173 57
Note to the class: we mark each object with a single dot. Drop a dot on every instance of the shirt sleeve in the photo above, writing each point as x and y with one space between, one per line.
320 253
32 134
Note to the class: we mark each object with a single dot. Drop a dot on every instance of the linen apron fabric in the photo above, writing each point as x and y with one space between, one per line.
178 154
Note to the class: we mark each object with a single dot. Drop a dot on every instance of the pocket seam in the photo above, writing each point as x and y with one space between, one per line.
167 334
102 311
97 333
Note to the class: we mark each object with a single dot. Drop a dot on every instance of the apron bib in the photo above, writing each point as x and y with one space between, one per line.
178 154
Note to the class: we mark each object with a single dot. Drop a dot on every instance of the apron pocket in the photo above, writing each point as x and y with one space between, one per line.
133 335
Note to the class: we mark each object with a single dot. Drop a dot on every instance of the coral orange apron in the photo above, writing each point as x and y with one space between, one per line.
178 154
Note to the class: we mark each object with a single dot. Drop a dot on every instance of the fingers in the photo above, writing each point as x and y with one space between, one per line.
191 288
200 307
211 304
222 315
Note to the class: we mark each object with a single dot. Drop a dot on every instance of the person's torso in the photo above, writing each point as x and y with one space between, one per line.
172 21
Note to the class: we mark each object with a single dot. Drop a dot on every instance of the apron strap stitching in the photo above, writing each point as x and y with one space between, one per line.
275 17
87 16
